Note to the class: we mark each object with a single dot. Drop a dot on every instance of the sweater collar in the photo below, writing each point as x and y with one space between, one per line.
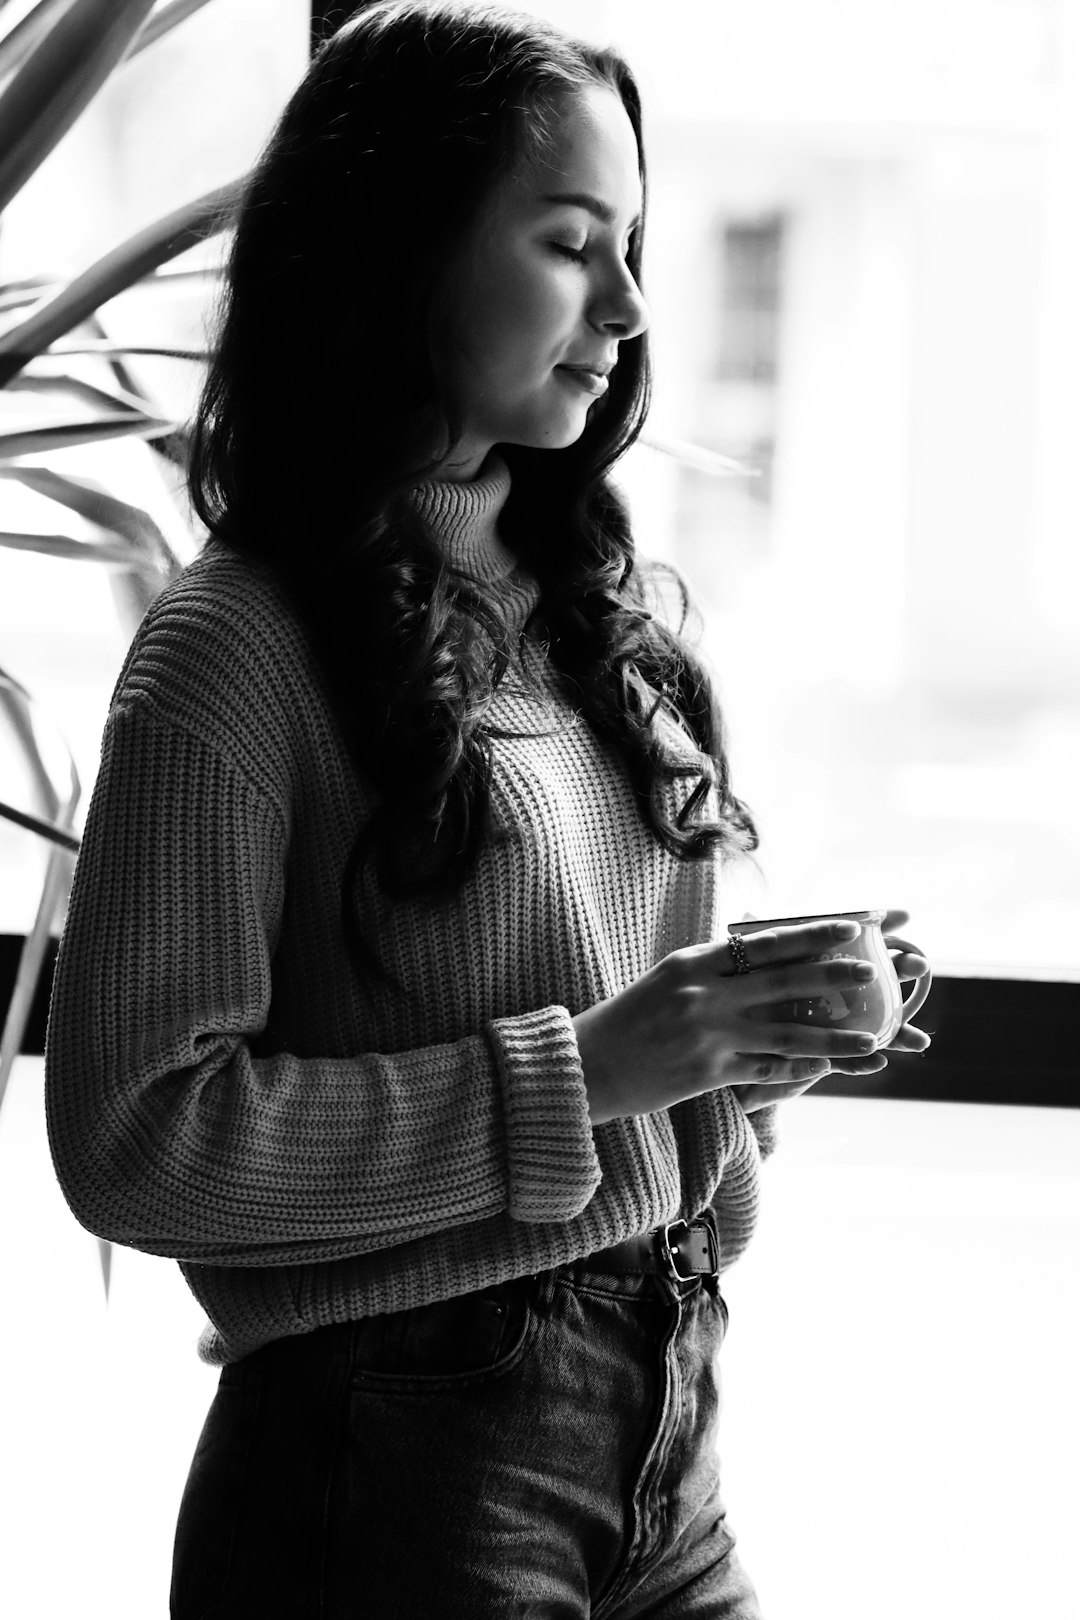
465 519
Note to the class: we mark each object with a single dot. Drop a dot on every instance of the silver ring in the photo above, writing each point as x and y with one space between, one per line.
738 953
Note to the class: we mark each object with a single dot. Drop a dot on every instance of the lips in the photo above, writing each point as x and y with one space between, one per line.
594 379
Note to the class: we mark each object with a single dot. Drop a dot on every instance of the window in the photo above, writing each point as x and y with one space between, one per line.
750 301
863 249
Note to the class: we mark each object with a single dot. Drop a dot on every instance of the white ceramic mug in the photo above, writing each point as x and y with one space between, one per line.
879 1007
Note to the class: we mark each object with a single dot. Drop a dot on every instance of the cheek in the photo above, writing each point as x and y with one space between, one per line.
521 315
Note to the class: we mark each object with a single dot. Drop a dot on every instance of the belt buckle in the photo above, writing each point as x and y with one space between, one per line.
669 1251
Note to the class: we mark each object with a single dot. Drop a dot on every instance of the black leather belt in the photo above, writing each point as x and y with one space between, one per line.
681 1250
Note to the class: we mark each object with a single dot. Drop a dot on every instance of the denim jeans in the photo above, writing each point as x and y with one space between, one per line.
542 1448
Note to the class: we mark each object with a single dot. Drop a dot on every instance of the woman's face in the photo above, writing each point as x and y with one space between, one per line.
541 295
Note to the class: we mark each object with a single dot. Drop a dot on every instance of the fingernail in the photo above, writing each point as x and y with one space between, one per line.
845 930
819 1066
864 971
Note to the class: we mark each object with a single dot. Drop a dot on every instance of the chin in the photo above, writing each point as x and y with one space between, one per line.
553 435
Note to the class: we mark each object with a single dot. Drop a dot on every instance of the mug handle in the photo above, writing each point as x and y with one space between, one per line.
922 984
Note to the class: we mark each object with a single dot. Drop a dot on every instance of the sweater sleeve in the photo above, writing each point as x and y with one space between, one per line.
170 1135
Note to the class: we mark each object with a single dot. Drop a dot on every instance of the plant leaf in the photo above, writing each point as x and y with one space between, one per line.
163 22
117 367
54 895
20 40
121 400
36 441
174 448
190 272
105 1253
67 547
56 835
118 269
699 457
30 290
61 75
107 349
133 590
127 539
105 511
19 708
33 289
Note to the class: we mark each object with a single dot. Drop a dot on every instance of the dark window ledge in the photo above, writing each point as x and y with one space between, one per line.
994 1041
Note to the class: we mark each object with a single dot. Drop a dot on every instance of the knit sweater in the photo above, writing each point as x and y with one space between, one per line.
223 1090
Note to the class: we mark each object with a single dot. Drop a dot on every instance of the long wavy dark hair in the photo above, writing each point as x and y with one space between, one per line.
324 405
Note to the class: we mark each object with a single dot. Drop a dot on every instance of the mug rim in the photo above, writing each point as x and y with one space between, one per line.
755 924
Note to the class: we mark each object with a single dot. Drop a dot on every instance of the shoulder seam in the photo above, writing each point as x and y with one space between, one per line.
126 705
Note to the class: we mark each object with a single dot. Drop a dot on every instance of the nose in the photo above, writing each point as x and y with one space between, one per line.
622 311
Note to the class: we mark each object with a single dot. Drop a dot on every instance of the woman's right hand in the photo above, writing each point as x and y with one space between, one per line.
692 1023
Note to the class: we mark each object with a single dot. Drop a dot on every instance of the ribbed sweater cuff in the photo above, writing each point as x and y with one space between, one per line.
554 1170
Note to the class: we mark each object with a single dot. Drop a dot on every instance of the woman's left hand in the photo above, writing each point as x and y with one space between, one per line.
909 964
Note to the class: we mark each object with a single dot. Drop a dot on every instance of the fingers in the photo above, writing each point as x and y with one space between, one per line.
849 1051
767 996
808 1043
909 1039
904 950
777 945
910 965
800 1052
859 1067
772 1079
800 980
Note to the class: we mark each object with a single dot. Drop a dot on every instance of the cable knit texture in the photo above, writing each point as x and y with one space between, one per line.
223 1090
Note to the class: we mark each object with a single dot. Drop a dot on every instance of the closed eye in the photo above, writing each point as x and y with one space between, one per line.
576 254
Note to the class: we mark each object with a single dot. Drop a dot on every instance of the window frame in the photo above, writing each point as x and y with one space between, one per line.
998 1040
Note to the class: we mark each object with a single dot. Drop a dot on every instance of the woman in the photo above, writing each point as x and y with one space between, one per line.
389 1002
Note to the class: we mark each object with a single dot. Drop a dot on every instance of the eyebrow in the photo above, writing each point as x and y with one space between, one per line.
593 205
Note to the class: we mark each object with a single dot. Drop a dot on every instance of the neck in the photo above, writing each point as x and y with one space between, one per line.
463 467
